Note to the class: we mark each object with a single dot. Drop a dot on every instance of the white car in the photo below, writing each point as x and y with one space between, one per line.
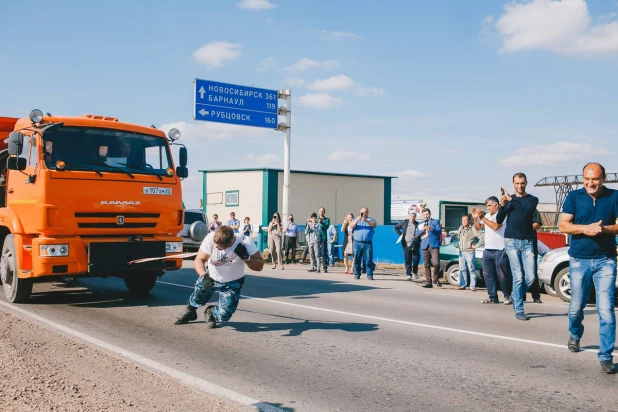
553 271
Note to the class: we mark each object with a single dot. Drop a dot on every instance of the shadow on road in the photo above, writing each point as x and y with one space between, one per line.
298 327
532 315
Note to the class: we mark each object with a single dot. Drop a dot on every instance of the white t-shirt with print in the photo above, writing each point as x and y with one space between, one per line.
224 265
494 239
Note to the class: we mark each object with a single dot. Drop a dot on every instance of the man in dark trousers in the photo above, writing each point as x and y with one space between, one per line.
411 244
519 238
430 245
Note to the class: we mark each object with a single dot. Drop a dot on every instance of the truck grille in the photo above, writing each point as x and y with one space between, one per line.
109 220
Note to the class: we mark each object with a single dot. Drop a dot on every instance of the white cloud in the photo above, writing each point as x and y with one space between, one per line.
217 53
337 35
340 82
487 28
320 101
409 174
346 155
553 154
305 64
265 160
267 64
294 82
201 132
562 27
369 91
255 5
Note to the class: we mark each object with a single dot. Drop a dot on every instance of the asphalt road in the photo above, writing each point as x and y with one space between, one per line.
325 342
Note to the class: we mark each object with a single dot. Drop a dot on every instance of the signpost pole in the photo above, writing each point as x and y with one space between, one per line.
286 127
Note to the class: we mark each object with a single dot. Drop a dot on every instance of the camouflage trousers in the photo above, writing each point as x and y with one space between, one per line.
229 295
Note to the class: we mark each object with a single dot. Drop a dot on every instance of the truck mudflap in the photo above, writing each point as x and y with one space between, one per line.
105 257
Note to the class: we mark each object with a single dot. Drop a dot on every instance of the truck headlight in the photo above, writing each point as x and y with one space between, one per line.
173 247
53 250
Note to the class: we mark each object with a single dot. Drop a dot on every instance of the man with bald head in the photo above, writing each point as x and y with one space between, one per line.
589 216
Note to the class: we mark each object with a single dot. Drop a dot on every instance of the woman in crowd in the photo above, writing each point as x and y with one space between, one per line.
246 227
274 240
347 243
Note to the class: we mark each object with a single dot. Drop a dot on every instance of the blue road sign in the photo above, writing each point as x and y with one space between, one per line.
234 104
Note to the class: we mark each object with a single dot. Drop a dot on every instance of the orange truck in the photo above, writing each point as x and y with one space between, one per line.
86 197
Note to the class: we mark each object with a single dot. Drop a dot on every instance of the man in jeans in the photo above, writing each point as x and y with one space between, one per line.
220 265
323 224
589 216
518 238
466 235
363 229
496 268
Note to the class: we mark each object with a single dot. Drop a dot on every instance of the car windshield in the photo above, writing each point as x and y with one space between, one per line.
191 217
106 150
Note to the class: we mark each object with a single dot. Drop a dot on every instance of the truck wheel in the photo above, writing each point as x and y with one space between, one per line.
140 283
562 285
452 274
16 290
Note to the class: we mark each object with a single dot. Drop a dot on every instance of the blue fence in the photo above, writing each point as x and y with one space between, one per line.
385 250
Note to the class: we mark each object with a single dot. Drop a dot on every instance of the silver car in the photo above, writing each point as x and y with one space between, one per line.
553 271
195 229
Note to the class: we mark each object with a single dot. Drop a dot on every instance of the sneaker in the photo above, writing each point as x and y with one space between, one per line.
409 277
311 270
508 301
415 276
370 277
608 366
521 316
573 345
473 289
187 316
537 300
325 270
356 277
210 318
462 288
488 301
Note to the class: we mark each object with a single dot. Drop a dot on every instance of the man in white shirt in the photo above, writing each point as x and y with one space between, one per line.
496 268
226 254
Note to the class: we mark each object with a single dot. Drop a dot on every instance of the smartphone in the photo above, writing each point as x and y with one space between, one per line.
502 191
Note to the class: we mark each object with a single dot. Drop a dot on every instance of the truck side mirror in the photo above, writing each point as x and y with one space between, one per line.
182 157
181 172
16 143
16 163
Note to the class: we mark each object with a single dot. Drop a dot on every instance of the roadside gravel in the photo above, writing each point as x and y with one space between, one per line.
44 371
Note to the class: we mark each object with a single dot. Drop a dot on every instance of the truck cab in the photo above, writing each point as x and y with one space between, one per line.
87 196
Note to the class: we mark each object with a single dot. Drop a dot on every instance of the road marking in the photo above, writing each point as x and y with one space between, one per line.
403 322
183 377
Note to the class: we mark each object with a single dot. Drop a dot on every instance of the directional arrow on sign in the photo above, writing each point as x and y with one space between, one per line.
203 112
202 91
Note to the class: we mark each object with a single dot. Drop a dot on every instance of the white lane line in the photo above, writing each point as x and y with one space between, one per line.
185 378
403 322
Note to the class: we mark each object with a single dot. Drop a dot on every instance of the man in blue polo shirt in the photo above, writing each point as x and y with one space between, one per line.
363 230
589 216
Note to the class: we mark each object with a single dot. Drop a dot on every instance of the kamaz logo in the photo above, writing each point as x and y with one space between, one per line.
121 202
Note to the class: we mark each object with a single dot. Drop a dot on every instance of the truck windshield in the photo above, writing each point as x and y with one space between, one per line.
105 150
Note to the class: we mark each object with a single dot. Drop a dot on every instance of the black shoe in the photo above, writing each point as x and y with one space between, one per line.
608 366
573 345
462 288
356 277
363 271
187 316
428 285
325 270
537 300
438 284
370 277
210 319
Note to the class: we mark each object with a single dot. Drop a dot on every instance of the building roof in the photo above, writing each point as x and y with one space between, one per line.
309 172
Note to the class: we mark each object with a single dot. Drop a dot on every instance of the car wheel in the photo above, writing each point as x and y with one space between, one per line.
549 289
452 274
562 285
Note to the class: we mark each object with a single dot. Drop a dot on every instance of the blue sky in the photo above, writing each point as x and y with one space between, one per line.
452 97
